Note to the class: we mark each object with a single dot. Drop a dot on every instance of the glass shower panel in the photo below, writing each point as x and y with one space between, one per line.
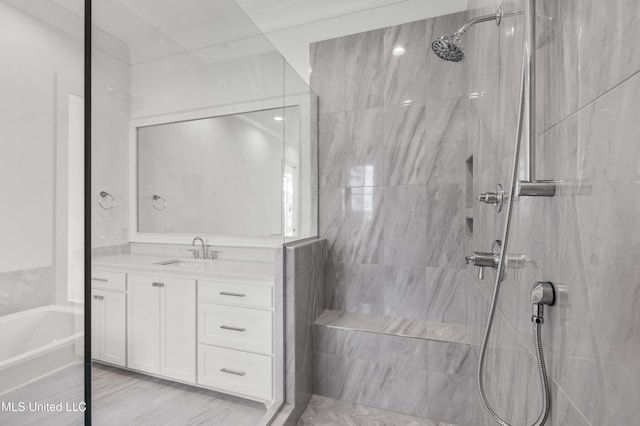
188 138
41 172
300 173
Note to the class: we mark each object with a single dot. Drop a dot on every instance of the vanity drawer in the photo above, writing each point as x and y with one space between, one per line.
238 372
236 328
235 293
115 281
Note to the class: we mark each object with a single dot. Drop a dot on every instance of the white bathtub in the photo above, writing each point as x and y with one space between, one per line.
37 342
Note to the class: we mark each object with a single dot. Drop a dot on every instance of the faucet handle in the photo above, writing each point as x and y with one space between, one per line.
472 260
195 254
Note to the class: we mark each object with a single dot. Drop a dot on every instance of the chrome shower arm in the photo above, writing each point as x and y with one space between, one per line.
485 18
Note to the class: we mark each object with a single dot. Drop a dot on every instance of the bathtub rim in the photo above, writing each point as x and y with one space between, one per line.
40 350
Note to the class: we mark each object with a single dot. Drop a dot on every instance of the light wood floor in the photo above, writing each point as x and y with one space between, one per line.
123 398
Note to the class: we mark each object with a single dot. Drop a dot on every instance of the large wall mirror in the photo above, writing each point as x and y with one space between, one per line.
233 175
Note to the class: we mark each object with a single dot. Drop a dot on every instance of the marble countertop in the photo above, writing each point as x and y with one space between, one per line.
203 269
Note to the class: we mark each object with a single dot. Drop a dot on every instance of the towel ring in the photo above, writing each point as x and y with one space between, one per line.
155 199
105 195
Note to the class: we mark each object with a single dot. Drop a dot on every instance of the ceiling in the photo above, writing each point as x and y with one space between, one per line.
218 30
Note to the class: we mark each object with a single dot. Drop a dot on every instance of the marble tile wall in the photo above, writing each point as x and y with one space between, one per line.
392 149
423 378
304 301
588 91
25 289
392 152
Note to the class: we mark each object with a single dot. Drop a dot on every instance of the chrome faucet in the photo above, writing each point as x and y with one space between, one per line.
483 259
492 260
203 253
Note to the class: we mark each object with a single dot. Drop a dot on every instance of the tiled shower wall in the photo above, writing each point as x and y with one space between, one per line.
392 176
304 299
391 173
588 245
25 289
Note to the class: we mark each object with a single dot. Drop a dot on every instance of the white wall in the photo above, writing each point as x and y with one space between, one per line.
41 65
187 82
111 106
292 25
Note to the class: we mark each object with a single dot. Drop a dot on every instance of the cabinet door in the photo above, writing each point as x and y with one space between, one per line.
143 323
178 332
96 324
114 327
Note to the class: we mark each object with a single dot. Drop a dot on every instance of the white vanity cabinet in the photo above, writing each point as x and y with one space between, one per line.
235 337
108 317
161 326
203 327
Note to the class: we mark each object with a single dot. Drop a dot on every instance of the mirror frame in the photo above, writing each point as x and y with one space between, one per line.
302 101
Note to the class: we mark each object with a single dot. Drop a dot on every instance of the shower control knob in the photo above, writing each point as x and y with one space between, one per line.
485 259
495 198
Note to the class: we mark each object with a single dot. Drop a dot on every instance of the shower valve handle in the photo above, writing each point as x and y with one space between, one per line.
485 259
496 198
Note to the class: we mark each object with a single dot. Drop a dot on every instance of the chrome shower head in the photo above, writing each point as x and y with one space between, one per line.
448 48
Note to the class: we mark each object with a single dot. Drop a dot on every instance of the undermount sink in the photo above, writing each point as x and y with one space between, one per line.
186 264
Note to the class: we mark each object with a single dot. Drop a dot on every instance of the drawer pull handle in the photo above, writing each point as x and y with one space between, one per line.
235 373
104 280
227 327
157 284
226 293
98 297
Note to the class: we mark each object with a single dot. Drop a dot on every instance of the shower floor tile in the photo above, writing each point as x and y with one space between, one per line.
323 411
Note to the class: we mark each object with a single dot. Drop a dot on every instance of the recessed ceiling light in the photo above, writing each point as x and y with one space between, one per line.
407 102
398 50
278 118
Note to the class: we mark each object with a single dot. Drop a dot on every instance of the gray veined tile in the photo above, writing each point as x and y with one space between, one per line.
609 221
405 292
405 216
450 358
332 221
446 123
360 288
364 225
364 148
556 62
445 225
332 150
404 144
450 398
404 352
328 59
363 71
608 51
406 74
446 295
331 412
356 321
25 289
